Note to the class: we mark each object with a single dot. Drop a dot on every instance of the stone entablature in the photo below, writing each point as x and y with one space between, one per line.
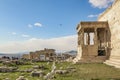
92 24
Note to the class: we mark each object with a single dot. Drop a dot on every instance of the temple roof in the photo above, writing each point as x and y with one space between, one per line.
92 24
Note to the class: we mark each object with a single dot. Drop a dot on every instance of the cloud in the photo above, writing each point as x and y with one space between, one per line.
13 33
60 44
92 16
25 36
38 24
30 26
101 3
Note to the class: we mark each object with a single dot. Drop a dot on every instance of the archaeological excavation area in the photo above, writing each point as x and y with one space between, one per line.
98 54
63 71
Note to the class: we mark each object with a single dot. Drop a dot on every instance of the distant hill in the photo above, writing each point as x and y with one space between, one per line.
13 54
72 52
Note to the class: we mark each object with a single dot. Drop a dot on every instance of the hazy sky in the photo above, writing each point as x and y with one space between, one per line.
27 25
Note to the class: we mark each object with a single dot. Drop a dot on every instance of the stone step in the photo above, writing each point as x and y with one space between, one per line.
95 58
90 59
115 63
116 60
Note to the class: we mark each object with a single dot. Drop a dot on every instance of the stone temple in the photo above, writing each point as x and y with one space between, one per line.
99 41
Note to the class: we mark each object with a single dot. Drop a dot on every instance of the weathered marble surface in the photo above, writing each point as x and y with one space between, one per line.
112 15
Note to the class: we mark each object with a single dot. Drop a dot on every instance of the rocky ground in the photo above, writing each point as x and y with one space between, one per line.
58 71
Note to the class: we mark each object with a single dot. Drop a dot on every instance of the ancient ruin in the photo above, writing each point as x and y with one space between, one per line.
26 56
46 54
99 41
93 41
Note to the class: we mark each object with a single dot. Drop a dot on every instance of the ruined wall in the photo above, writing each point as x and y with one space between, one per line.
26 56
34 55
46 53
112 15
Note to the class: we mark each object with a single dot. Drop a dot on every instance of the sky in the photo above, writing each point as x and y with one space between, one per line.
30 25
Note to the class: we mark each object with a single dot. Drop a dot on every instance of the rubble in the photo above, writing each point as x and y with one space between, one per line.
36 73
21 78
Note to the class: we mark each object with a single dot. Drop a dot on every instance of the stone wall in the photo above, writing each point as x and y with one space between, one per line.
26 56
112 15
34 55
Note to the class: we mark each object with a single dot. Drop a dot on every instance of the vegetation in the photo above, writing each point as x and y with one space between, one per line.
83 72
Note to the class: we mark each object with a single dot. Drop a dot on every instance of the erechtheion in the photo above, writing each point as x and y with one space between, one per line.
99 41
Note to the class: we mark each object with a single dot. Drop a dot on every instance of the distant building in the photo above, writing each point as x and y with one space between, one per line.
26 56
46 54
63 56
